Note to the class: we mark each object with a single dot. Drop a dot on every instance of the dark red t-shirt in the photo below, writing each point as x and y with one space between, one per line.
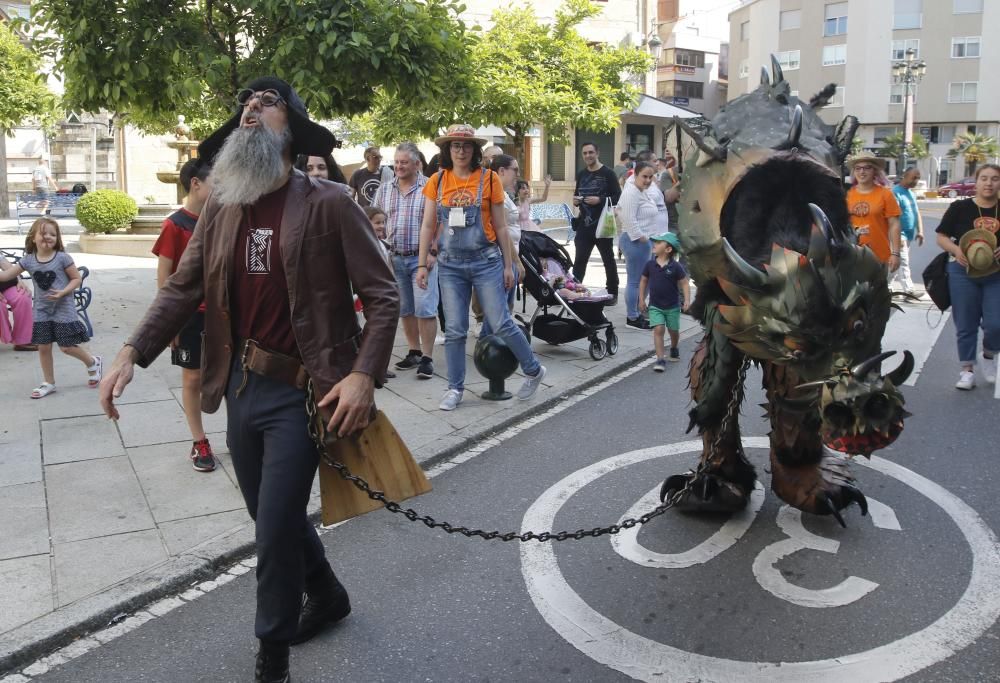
260 292
174 237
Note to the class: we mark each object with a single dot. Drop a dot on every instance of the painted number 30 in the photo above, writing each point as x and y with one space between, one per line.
789 520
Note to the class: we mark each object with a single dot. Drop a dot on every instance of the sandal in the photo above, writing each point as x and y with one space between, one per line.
43 390
94 372
26 347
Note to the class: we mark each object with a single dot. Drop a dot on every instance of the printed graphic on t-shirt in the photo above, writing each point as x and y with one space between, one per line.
259 251
861 209
462 197
986 223
369 188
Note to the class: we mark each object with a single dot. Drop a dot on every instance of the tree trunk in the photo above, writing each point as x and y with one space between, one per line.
4 199
519 152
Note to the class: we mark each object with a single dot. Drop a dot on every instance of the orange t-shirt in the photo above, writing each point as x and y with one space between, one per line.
457 192
870 213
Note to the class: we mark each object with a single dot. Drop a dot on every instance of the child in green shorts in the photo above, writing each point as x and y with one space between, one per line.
665 279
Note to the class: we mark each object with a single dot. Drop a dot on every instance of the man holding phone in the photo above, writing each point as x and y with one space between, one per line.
595 184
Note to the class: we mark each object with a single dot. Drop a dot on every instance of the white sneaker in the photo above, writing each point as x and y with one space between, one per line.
966 381
531 384
990 370
451 399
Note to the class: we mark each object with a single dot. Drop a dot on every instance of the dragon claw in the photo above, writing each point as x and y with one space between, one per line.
833 510
706 492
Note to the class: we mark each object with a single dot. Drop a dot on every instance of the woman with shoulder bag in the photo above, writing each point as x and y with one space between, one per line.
968 232
464 234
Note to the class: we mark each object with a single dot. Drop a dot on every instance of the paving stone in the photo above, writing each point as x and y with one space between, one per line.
21 460
95 498
27 590
80 438
154 422
88 566
174 490
185 534
212 422
24 521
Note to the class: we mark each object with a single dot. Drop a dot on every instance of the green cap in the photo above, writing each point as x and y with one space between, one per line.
669 238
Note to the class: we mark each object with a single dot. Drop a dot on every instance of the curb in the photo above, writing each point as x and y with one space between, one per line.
23 644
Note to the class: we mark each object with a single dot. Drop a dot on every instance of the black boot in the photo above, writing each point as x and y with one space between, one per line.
326 602
272 663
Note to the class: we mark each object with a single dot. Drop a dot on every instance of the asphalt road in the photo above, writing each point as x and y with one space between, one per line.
429 607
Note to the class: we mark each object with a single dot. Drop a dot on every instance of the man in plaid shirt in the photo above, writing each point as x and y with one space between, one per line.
403 203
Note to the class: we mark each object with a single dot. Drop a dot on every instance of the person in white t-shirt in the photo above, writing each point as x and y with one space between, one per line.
41 182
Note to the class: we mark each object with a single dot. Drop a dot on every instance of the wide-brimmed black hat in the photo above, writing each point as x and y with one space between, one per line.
308 137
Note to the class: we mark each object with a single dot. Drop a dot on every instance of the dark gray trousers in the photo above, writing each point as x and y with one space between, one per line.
275 462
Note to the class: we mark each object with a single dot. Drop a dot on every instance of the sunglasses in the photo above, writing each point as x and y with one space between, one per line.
268 98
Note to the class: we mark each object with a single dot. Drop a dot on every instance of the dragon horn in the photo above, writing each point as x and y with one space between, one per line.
713 153
752 275
765 79
819 216
777 75
796 130
861 370
900 374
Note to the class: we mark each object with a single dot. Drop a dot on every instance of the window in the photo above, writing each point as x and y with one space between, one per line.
836 19
962 91
971 129
690 89
896 93
745 30
882 132
947 134
965 48
744 68
790 19
838 98
899 48
689 58
834 54
968 6
907 14
789 61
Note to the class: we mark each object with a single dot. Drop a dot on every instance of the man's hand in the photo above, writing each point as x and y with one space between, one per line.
893 263
592 201
422 278
672 195
920 239
115 379
354 396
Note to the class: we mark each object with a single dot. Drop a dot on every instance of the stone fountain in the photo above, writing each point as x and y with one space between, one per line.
151 216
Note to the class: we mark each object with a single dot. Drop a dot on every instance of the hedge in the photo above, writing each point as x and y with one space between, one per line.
104 211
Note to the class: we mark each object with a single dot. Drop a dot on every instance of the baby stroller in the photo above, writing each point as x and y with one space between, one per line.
580 314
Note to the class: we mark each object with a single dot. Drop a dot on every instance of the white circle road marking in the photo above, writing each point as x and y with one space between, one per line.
626 542
618 648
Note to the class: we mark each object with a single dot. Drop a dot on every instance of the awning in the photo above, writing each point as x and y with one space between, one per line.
652 106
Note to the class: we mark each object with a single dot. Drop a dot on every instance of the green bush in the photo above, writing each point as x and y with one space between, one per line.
105 211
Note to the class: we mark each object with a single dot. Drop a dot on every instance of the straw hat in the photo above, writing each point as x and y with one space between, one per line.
460 132
978 246
865 156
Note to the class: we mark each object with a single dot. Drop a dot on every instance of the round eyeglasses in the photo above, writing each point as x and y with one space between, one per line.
268 98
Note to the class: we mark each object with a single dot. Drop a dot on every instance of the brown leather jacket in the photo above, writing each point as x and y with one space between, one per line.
327 245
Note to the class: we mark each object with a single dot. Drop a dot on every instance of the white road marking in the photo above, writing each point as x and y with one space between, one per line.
618 648
626 543
911 329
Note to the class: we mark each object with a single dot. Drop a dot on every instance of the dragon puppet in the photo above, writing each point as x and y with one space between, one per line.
783 284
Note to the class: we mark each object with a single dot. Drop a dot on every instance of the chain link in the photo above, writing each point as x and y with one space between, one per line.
317 431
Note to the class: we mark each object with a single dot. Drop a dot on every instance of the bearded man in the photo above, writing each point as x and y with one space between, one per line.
274 256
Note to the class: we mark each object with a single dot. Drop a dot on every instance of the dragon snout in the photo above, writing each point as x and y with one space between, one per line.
861 410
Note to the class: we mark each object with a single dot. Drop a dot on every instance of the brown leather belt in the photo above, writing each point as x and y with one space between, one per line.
277 366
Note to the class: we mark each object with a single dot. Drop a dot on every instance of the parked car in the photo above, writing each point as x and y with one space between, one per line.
966 187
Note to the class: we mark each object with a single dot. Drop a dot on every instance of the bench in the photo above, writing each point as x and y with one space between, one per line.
553 216
81 297
30 205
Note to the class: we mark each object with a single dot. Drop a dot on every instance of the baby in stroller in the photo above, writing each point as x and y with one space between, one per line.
566 284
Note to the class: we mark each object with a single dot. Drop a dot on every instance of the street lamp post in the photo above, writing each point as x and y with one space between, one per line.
907 73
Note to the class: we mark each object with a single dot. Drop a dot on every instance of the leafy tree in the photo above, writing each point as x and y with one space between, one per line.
527 73
150 61
976 148
892 147
23 96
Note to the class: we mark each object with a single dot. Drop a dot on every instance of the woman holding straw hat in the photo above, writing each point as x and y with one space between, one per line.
968 232
464 235
873 209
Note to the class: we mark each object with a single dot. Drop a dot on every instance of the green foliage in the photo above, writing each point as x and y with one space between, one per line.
105 211
975 147
151 61
23 94
526 73
892 147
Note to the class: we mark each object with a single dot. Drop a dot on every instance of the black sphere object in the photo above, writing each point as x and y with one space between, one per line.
496 362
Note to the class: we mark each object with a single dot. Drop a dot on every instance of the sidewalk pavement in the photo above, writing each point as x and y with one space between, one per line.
100 517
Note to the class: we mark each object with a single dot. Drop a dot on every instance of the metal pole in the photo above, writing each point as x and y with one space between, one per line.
907 126
93 158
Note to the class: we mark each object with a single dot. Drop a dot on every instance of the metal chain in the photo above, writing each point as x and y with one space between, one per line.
316 432
732 408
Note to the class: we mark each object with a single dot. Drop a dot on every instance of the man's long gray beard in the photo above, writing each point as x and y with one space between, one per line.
250 163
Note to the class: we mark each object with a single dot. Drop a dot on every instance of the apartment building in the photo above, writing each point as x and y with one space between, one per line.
693 67
854 44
